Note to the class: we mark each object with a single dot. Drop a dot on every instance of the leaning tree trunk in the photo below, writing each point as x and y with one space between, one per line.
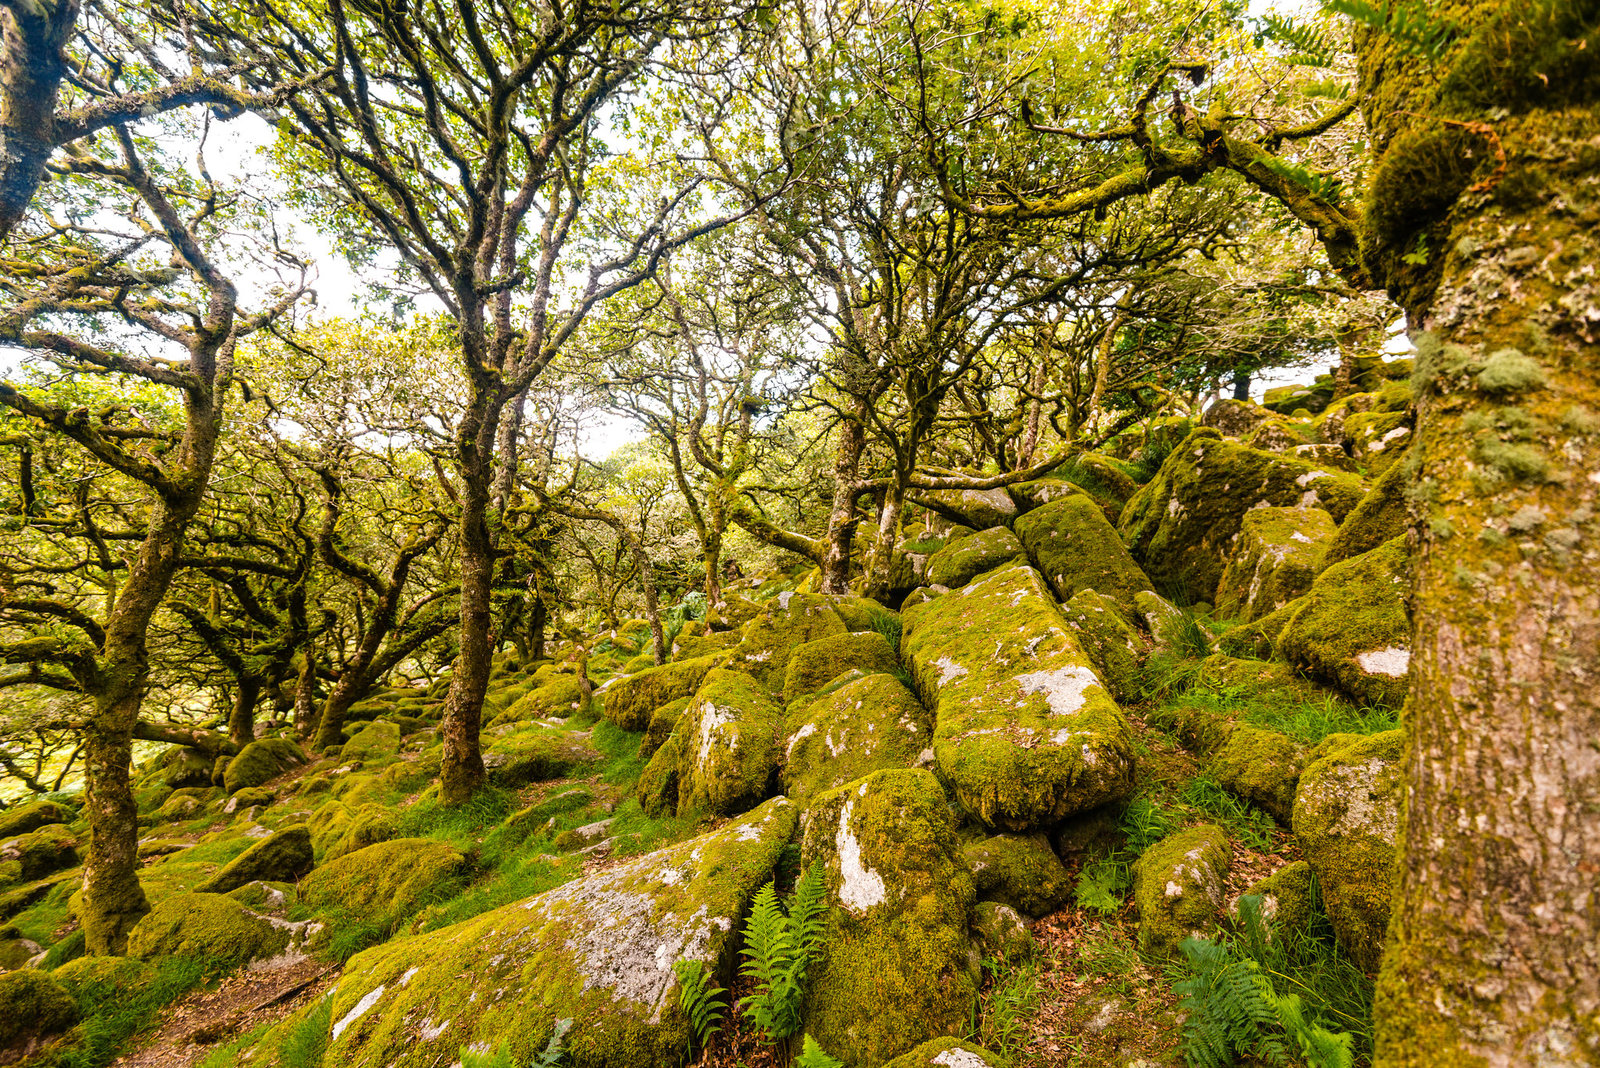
1494 950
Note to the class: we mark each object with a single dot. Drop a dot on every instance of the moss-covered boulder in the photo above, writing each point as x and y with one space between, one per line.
90 975
599 950
1115 648
1377 439
1234 418
187 767
663 721
978 509
212 927
1162 435
1024 732
38 853
728 742
261 761
387 882
182 805
949 1053
1351 630
815 664
1169 628
658 783
1276 554
266 897
16 951
374 741
1178 884
1076 548
630 700
281 857
248 798
25 818
786 622
1001 933
1180 526
560 695
1347 817
1381 516
897 966
964 559
528 820
34 1009
1323 455
1287 898
869 723
1020 870
1260 766
537 754
694 646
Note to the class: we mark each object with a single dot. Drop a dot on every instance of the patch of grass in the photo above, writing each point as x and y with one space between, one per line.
889 625
227 1055
515 879
1310 722
1007 1006
1242 821
307 1040
110 1015
1145 822
351 935
629 820
463 825
624 763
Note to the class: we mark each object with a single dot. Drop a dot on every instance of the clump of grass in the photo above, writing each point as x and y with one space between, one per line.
1007 1006
1242 821
624 763
460 825
111 1015
307 1039
1104 881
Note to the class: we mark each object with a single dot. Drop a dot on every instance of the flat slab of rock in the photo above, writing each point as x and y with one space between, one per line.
1023 729
598 950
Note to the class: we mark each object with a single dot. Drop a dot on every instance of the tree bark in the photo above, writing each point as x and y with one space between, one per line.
1494 943
461 771
842 518
242 719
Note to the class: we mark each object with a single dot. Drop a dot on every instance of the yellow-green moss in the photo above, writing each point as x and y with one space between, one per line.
1346 817
1020 870
33 1007
1351 629
1178 886
1274 559
261 761
280 857
964 559
1286 897
870 723
895 971
598 951
1077 549
728 740
947 1051
1380 516
1001 933
663 721
1180 526
1260 766
786 622
1025 734
385 883
209 926
814 664
537 754
38 853
374 741
658 783
1116 649
629 701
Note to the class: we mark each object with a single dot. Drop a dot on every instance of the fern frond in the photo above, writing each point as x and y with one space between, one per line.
1408 22
702 1002
814 1056
1313 46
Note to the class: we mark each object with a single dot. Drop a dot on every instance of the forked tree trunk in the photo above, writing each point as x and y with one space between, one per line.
1494 951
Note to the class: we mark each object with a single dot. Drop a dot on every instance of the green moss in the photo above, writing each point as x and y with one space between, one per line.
129 977
786 622
251 797
1275 557
265 896
728 741
1260 766
658 786
1381 515
1288 897
944 1051
33 1006
259 762
1378 439
964 559
895 970
1071 542
1020 870
281 857
537 754
1025 734
663 721
1178 886
869 723
598 950
36 854
816 663
1181 525
207 926
385 883
529 820
630 700
374 741
1115 648
696 646
1001 934
1352 630
1346 817
977 509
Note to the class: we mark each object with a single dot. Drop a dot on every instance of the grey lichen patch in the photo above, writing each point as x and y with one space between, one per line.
1510 371
1025 733
599 950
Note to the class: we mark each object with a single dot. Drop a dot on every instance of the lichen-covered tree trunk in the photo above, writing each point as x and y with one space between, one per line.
242 717
842 518
1494 949
461 766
